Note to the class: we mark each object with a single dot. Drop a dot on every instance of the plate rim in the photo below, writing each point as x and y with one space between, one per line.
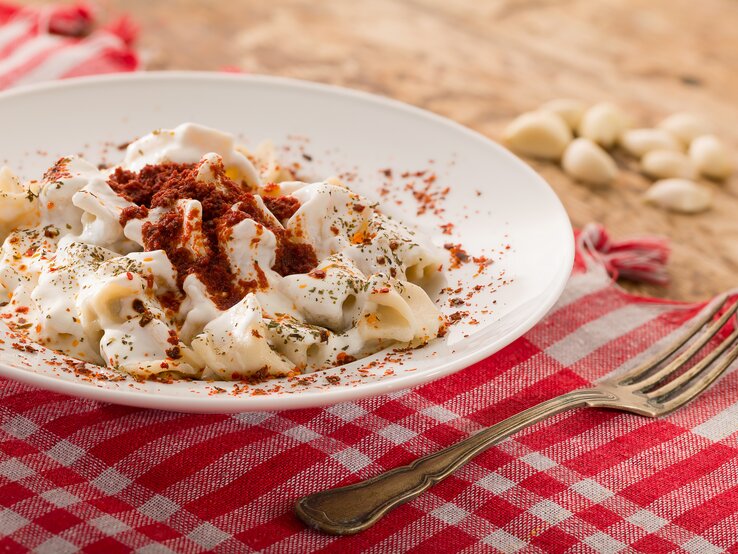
307 399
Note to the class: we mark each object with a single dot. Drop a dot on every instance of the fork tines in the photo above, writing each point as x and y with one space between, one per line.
666 385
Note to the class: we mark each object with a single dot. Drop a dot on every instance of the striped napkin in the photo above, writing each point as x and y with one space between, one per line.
56 42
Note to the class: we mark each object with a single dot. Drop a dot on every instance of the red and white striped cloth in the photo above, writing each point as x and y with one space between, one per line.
56 42
77 474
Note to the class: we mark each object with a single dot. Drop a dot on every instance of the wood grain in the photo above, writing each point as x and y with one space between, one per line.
482 63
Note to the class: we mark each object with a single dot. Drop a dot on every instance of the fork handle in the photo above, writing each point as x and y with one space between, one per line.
351 509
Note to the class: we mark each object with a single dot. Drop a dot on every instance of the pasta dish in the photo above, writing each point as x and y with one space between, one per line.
197 258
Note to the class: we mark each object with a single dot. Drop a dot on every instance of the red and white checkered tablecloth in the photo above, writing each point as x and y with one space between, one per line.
80 475
77 474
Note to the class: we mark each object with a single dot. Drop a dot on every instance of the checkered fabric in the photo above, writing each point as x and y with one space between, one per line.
77 474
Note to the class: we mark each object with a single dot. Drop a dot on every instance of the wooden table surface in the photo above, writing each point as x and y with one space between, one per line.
482 63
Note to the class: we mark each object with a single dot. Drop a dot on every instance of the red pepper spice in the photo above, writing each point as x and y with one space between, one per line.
342 358
133 212
283 207
458 254
160 186
58 171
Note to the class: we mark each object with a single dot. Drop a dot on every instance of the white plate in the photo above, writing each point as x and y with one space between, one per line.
499 207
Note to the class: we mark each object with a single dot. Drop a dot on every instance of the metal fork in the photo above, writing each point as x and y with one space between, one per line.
652 389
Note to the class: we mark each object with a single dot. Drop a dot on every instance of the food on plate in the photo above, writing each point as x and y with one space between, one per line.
679 195
196 258
538 134
587 162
